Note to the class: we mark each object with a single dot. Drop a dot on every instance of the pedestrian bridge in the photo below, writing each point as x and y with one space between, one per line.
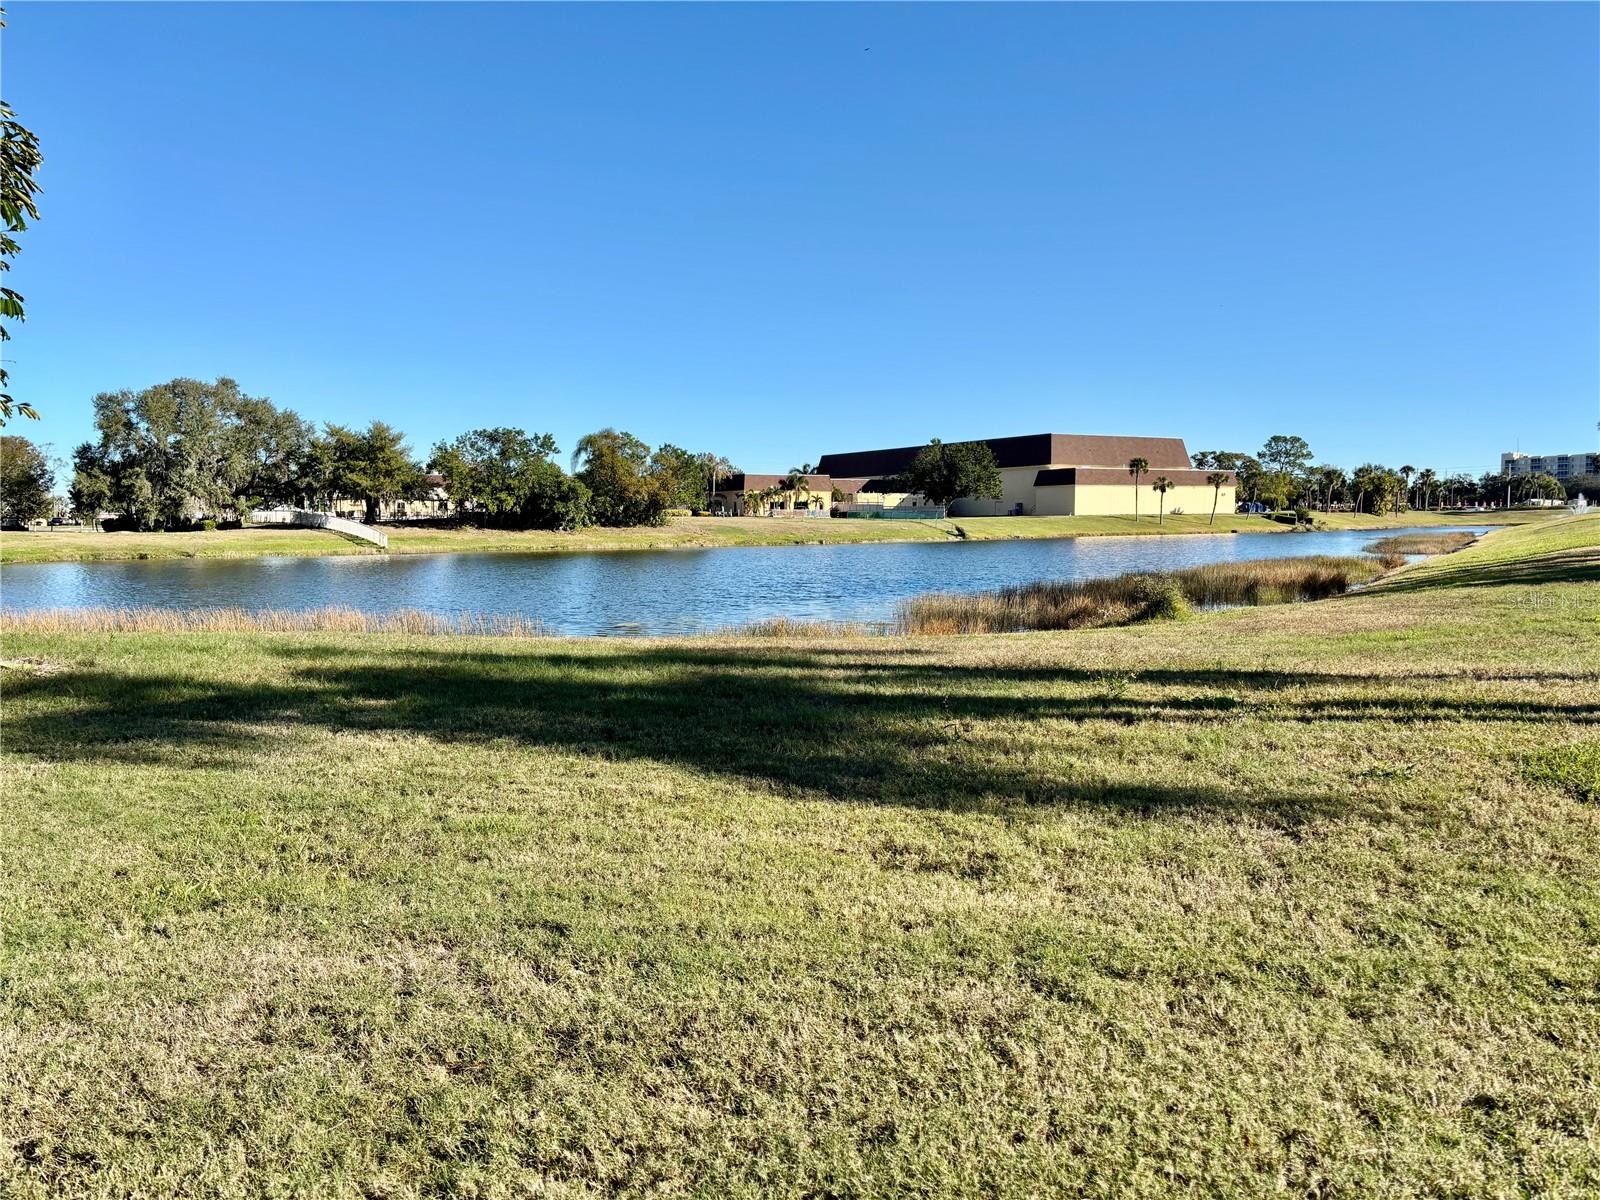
319 520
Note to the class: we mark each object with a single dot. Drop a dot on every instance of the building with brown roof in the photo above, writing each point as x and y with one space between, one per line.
1053 474
748 494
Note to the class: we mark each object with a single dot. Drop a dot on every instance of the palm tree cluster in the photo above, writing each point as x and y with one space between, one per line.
1283 474
791 490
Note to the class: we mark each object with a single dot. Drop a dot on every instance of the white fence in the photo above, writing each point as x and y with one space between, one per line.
317 520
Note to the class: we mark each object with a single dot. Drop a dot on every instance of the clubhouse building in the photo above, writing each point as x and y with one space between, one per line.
1042 474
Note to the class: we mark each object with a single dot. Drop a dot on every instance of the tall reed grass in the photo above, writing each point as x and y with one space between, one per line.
239 620
1422 543
1087 603
789 627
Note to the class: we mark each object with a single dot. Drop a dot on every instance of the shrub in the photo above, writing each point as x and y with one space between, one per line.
556 500
1160 598
676 512
207 526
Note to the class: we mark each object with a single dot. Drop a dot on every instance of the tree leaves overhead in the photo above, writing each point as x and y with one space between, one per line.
19 160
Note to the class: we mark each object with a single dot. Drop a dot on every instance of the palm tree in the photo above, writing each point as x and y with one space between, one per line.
1407 472
1216 479
1136 468
716 466
1425 482
1160 487
795 482
1330 477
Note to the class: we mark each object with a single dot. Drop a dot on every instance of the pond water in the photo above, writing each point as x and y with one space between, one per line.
642 592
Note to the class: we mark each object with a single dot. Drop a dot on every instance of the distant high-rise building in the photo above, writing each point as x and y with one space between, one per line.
1562 466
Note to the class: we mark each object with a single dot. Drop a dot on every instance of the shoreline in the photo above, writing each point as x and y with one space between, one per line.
683 533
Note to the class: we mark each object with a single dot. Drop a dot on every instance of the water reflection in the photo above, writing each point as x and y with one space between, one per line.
640 592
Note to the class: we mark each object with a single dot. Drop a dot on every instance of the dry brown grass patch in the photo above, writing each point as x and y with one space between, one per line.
238 620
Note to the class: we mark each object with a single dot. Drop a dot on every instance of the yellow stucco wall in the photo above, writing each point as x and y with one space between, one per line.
1016 488
1054 501
890 499
1115 500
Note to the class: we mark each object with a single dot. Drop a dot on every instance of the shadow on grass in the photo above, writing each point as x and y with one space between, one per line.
816 722
1570 566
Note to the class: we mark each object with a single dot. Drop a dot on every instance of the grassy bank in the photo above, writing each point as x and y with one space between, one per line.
1299 900
680 533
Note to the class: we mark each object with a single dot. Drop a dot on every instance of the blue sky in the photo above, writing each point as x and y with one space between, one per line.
779 231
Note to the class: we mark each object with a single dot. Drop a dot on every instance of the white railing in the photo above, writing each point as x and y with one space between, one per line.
316 520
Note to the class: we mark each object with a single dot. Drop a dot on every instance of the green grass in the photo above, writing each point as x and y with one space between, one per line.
680 533
1262 903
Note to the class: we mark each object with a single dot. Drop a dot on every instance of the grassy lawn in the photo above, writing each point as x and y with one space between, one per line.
1301 900
680 533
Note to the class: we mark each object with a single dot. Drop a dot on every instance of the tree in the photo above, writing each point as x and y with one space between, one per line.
1137 467
1363 483
90 493
1494 488
25 479
1160 487
716 467
1540 487
623 491
1286 453
495 469
945 473
1425 481
168 452
795 485
1406 472
1275 488
1329 479
264 451
373 465
682 476
19 159
1459 489
1218 480
1583 485
1375 487
1249 472
555 500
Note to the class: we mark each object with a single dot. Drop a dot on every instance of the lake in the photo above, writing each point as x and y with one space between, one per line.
643 591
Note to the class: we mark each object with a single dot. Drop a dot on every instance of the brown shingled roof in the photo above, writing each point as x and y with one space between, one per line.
1030 450
747 483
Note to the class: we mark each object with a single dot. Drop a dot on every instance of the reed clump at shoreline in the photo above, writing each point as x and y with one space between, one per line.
1422 543
1120 600
239 620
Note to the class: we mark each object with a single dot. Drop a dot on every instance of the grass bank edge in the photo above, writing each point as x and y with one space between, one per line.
682 533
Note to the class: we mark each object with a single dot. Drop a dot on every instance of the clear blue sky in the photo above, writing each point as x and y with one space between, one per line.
780 231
